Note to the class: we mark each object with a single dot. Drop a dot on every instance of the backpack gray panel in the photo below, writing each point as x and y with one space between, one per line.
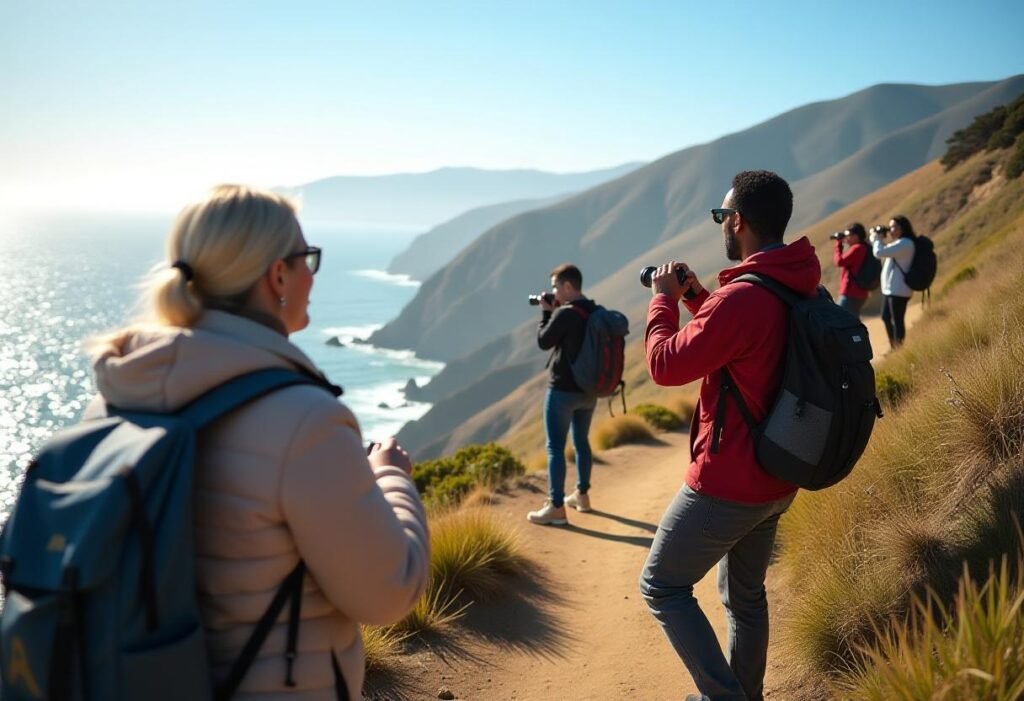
802 433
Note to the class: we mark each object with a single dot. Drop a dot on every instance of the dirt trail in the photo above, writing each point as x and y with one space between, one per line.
583 631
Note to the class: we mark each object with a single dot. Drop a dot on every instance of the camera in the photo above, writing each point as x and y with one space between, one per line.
535 300
880 230
838 235
647 279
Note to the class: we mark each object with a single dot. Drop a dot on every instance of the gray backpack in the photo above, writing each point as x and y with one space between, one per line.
598 366
98 560
822 419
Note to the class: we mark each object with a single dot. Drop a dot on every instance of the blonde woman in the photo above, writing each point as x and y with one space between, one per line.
285 478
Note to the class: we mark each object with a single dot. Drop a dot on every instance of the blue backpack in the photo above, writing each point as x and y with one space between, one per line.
98 560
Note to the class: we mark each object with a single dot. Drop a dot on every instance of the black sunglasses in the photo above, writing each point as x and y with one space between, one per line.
312 256
718 215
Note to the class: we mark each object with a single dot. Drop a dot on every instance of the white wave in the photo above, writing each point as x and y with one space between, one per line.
398 279
379 422
403 357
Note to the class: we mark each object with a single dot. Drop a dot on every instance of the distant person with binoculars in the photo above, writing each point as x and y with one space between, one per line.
728 509
897 256
850 256
563 325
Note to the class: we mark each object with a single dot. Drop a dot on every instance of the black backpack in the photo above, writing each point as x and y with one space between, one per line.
820 423
869 275
923 267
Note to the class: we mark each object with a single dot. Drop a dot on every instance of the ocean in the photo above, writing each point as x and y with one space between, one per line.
68 278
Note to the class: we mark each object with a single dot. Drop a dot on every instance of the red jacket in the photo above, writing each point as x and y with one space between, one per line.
744 327
850 261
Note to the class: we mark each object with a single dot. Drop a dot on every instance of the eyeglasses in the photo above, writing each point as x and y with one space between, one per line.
719 215
312 256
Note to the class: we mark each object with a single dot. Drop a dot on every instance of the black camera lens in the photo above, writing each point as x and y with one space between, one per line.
836 235
647 275
647 279
535 300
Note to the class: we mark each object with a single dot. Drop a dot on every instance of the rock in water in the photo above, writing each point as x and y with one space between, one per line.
411 390
335 341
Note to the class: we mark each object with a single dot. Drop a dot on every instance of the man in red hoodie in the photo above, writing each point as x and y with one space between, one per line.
729 507
851 295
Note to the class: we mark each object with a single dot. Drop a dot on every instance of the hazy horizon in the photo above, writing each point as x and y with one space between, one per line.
141 107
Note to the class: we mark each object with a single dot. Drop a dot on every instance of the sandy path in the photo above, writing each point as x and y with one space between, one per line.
592 637
584 632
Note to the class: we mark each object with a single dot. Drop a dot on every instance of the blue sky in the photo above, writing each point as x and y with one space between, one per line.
136 105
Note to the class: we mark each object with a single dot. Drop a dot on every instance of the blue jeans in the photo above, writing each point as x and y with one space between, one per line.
560 410
696 532
852 304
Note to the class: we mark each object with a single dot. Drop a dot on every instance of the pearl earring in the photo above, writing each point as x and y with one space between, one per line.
281 301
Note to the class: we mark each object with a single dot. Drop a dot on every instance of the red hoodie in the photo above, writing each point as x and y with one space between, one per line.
744 327
850 262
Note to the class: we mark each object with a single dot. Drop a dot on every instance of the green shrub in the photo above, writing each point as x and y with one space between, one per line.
1015 166
621 430
658 417
967 273
890 389
447 480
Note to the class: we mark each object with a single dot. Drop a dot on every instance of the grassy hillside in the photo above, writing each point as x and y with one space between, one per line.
942 482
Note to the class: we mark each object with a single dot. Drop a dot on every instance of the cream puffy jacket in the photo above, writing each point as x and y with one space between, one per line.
283 478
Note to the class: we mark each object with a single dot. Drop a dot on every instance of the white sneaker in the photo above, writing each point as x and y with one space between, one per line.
697 697
548 515
580 502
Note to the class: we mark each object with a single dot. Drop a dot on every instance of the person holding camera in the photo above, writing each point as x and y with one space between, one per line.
896 256
849 255
728 509
563 324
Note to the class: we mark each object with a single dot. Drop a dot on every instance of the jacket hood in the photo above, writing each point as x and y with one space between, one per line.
162 368
796 266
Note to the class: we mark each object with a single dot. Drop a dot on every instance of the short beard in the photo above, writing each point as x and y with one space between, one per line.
732 247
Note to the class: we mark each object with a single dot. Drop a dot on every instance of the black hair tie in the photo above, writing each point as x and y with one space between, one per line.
185 269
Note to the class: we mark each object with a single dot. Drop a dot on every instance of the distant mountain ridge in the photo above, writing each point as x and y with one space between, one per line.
656 213
426 199
858 143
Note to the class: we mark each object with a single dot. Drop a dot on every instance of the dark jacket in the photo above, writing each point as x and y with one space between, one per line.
743 327
563 330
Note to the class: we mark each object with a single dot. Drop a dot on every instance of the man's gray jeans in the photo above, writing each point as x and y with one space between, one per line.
696 532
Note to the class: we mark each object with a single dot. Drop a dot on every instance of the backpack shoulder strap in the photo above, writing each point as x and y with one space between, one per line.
784 293
582 312
290 589
243 389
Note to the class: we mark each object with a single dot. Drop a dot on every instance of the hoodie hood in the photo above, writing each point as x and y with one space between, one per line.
162 368
796 266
